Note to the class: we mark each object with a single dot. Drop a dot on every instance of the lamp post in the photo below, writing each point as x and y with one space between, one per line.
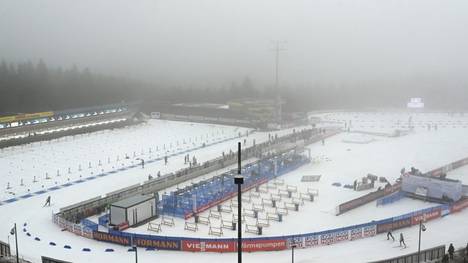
422 227
134 249
292 252
14 232
239 180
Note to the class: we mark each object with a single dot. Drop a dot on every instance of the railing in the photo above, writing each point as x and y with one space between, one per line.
306 240
425 255
4 250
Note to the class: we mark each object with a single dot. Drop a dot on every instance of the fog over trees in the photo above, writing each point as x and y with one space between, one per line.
338 54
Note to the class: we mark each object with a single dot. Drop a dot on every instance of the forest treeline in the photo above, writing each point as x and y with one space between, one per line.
33 87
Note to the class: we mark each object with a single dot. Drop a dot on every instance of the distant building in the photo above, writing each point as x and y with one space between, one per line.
415 103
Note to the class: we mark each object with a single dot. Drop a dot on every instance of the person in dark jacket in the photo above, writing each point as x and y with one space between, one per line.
451 250
402 240
390 235
47 203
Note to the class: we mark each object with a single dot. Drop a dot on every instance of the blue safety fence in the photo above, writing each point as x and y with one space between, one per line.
103 220
89 224
200 196
397 196
326 237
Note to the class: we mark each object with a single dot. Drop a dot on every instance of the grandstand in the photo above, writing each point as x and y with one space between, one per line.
30 127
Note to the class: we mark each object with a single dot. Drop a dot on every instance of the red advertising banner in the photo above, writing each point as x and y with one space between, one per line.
372 196
425 216
344 207
460 205
208 246
263 245
392 189
230 246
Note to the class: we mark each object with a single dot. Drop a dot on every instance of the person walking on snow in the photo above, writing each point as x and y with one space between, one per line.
47 203
451 250
390 235
402 240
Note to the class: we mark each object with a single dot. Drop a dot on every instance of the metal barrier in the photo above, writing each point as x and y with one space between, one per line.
4 250
425 255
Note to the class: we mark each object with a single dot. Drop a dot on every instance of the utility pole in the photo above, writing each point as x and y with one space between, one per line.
278 48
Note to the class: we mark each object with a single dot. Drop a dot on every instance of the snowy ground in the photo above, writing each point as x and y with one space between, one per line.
342 162
44 164
389 121
336 161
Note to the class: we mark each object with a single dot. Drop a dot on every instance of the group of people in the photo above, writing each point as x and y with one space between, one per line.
402 238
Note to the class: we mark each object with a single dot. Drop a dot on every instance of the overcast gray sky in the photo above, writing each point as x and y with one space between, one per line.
212 42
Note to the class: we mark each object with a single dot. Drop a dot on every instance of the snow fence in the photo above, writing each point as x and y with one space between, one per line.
273 243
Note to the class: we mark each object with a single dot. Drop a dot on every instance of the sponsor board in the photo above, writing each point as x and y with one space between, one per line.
362 232
395 224
140 241
254 245
297 241
106 237
344 207
360 201
355 233
208 246
334 237
311 241
158 243
460 205
369 231
392 189
425 216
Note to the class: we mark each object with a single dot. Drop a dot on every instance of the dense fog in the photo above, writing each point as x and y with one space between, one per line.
365 48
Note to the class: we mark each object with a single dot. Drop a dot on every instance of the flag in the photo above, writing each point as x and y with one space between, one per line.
12 231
